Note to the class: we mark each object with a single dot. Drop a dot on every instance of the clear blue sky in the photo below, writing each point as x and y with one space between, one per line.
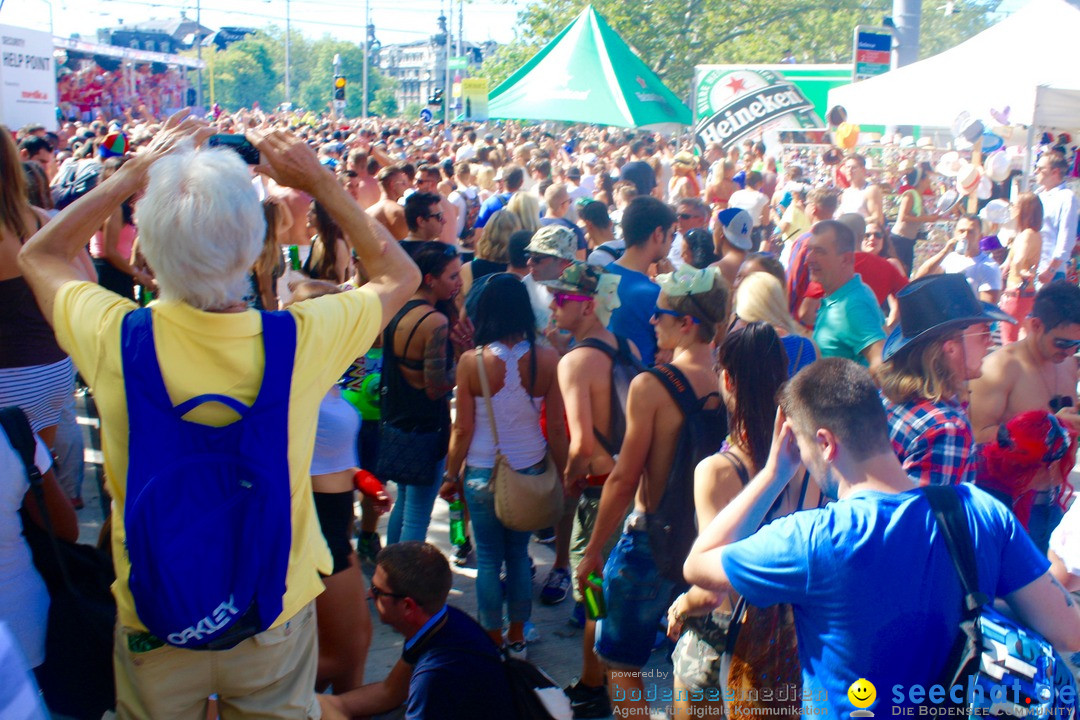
394 21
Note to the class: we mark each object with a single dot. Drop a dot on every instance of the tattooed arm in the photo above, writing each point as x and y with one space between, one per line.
1048 609
438 361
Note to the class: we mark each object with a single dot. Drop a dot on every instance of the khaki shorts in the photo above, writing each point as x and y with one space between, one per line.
584 520
270 675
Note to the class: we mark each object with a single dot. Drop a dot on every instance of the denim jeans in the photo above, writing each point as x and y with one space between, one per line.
411 515
495 545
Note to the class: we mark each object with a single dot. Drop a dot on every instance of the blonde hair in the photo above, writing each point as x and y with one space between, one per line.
709 308
919 374
485 177
761 298
494 243
527 208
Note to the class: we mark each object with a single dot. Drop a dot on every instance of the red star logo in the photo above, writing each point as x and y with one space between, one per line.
737 85
641 82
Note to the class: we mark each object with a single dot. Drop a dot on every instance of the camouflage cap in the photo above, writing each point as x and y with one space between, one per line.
578 279
554 240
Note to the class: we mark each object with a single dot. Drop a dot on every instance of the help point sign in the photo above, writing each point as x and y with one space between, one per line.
27 78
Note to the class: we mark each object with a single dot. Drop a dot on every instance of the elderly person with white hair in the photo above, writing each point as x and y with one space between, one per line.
204 501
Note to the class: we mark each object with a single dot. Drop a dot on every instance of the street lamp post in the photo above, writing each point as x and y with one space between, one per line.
288 40
367 50
198 52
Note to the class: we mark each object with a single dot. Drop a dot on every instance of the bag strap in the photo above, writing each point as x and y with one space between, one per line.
21 436
740 467
486 389
678 387
952 520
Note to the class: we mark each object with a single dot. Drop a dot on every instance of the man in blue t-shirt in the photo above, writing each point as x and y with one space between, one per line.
513 177
873 588
647 228
449 668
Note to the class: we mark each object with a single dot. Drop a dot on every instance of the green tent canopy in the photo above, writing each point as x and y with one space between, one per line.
588 74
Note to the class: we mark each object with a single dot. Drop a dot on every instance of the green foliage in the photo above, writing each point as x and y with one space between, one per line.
672 36
385 103
253 69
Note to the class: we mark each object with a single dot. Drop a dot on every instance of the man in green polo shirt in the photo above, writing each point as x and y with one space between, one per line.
849 322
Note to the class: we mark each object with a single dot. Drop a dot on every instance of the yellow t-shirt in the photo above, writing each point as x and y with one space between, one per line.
202 352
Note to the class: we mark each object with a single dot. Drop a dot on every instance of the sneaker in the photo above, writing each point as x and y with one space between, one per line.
531 633
545 536
517 651
577 616
462 552
588 702
368 546
556 587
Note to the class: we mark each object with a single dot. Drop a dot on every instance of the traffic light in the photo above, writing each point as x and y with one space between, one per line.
339 87
436 97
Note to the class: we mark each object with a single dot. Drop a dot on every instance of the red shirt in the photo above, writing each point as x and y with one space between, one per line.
880 275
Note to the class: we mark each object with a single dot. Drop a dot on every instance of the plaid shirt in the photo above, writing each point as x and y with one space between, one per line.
934 441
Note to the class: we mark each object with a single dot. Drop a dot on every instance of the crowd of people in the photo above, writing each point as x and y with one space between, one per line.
735 385
94 93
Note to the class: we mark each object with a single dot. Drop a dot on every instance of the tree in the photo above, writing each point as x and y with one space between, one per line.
385 103
253 69
672 37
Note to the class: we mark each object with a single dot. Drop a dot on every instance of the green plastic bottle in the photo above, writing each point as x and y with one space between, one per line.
595 607
457 521
294 257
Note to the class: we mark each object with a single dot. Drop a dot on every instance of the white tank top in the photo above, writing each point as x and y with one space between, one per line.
853 200
517 417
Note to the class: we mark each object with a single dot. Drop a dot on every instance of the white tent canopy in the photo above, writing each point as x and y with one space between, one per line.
1027 62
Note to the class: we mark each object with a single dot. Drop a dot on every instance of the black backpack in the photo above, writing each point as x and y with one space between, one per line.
671 526
78 178
76 678
624 367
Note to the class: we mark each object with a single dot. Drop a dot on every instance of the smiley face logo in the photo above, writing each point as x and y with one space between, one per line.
862 693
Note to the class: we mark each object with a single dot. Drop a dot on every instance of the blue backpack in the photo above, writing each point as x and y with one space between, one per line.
207 514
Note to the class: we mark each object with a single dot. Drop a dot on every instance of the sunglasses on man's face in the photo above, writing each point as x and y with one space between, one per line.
1066 344
873 235
657 312
688 216
562 298
435 216
377 592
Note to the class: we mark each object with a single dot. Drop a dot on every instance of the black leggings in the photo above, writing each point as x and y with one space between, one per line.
335 511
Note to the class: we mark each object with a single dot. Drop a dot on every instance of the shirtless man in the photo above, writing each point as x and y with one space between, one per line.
427 180
688 310
861 197
392 185
362 183
585 376
732 235
1036 373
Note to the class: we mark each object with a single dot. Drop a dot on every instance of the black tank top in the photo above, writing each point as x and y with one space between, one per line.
404 406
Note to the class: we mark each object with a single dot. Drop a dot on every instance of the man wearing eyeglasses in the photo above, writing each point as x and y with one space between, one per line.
449 668
1038 372
691 213
1060 212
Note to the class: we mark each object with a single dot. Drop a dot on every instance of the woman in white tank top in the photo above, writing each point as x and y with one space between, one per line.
523 382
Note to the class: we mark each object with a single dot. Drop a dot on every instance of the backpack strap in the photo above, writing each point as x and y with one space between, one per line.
952 521
678 387
626 356
605 442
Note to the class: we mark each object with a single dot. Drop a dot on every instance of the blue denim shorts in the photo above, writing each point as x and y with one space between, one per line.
637 596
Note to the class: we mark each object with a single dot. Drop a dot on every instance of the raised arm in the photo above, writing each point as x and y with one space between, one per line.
289 161
47 259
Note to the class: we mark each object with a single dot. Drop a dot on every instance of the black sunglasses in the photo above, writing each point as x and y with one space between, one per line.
689 216
438 216
1066 344
377 593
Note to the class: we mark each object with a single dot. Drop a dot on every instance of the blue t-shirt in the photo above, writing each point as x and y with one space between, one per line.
873 587
800 353
563 222
492 205
631 320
